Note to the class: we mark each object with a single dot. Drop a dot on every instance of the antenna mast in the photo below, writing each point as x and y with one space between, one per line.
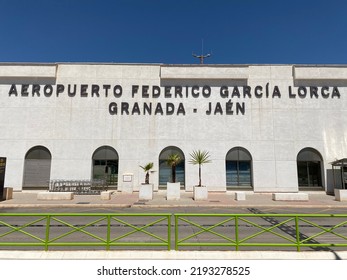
202 56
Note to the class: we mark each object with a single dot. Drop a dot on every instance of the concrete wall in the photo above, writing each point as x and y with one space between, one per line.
273 127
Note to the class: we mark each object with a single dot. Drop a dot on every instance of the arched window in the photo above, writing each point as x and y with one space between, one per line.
238 168
37 168
165 170
105 165
309 164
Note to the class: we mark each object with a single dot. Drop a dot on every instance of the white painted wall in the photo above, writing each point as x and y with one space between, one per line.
273 130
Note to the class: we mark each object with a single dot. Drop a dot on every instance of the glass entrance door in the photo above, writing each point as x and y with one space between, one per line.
309 174
238 166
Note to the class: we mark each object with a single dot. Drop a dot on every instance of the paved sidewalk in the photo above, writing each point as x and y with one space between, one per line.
215 199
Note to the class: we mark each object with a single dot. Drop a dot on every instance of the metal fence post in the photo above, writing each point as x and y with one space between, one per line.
108 235
176 232
297 233
236 233
169 232
48 226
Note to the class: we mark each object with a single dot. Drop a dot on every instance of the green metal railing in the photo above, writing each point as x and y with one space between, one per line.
148 230
262 230
96 230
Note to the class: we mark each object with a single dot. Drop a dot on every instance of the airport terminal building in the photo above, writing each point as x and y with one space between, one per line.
267 128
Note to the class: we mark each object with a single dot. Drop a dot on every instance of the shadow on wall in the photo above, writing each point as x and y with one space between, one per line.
18 81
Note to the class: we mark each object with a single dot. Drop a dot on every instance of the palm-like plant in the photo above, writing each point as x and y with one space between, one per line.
173 160
200 158
147 168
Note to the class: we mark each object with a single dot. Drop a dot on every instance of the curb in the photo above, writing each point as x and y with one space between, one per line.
65 205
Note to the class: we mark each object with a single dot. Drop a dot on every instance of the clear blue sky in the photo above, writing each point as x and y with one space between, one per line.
163 31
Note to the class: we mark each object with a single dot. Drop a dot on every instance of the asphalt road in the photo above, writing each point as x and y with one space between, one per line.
281 233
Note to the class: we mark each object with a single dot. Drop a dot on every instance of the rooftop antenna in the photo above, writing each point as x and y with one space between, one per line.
202 56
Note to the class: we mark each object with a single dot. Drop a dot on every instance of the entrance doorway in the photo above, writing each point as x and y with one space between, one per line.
165 169
238 165
309 166
37 168
105 165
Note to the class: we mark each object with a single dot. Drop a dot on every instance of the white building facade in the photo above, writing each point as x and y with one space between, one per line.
267 128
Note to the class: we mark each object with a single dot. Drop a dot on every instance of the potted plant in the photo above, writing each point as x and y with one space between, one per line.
173 188
146 189
200 157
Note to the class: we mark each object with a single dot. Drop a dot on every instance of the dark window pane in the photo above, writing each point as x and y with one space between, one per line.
105 152
314 174
233 155
165 172
38 153
244 173
238 173
309 155
244 155
309 174
231 170
302 173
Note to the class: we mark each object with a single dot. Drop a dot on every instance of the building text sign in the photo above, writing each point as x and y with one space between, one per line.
171 100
